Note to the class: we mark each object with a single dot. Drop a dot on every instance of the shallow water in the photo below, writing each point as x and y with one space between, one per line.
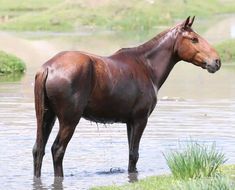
95 149
192 104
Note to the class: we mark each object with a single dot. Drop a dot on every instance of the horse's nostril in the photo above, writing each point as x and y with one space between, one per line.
218 63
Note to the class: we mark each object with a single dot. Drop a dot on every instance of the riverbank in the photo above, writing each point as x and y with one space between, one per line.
167 182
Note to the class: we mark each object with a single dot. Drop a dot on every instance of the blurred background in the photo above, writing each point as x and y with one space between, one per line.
192 102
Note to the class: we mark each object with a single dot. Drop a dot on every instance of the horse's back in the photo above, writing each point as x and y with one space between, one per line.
69 83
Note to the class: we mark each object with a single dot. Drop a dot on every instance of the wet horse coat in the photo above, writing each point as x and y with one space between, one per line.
119 88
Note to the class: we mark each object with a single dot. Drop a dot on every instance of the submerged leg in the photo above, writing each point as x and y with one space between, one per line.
135 130
43 132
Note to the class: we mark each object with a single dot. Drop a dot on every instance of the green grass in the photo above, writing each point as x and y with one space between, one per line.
150 183
226 50
133 15
215 183
10 64
194 161
168 182
205 167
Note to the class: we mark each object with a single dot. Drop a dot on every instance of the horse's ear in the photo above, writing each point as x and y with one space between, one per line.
185 23
191 23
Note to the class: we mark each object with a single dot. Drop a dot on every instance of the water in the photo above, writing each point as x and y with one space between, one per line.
193 104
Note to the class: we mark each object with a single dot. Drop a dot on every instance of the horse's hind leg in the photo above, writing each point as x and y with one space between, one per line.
59 146
43 132
68 115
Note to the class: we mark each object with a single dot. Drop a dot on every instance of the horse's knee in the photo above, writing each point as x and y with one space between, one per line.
37 152
57 153
34 151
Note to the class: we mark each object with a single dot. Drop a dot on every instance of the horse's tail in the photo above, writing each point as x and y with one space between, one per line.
45 119
39 95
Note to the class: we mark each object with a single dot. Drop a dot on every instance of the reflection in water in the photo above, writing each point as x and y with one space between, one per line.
37 184
57 185
133 177
11 77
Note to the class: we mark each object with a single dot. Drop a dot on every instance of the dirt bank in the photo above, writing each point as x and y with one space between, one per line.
33 53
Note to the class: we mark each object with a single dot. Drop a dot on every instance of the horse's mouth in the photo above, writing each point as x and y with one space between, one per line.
211 68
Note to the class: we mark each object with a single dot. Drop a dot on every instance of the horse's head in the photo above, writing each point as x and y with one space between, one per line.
191 47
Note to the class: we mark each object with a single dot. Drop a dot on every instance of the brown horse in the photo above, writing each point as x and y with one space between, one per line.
120 88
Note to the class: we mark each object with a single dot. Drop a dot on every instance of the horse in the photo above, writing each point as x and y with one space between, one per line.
120 88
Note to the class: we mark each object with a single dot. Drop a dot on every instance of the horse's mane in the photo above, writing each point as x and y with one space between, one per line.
147 45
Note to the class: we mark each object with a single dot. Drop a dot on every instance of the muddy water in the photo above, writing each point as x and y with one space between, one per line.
193 104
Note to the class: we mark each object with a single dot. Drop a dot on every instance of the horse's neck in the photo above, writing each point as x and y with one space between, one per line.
159 58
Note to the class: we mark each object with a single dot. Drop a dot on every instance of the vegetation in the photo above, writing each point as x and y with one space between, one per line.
10 64
168 182
216 183
195 161
226 50
133 15
204 173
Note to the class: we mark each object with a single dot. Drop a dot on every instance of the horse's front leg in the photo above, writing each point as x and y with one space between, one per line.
135 130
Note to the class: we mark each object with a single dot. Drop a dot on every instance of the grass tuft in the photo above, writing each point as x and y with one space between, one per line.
10 64
195 161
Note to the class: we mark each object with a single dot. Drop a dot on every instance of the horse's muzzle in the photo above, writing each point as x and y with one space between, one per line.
214 66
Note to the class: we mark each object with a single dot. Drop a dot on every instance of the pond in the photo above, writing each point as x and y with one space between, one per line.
192 104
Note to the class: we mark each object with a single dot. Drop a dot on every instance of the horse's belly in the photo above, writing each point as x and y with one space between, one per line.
104 118
107 114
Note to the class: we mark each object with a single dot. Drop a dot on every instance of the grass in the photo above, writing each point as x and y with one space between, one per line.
167 182
216 183
208 174
133 15
195 161
10 64
150 183
226 50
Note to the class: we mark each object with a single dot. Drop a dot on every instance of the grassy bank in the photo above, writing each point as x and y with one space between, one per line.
226 50
10 64
168 182
133 15
196 166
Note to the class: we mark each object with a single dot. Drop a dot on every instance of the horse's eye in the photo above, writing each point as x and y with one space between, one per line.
194 40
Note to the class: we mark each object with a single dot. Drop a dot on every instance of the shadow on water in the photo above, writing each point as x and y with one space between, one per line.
111 171
132 177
